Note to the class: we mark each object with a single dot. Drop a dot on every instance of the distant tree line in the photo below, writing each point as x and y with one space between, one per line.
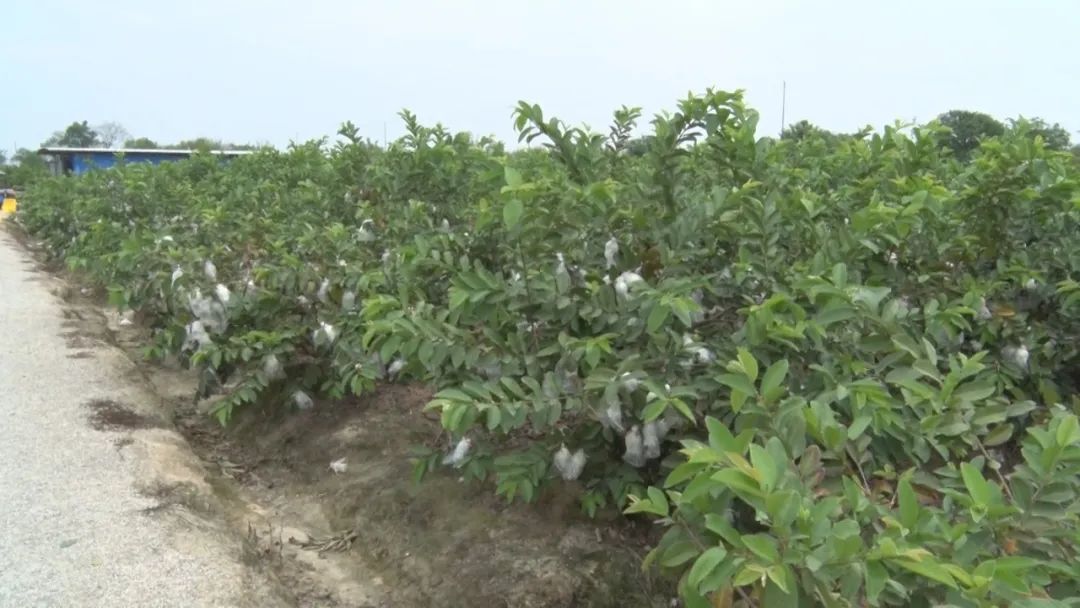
26 165
21 169
114 135
967 130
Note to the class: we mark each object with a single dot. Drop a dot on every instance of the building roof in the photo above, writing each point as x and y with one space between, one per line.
154 151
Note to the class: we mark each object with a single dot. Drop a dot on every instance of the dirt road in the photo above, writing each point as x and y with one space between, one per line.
83 518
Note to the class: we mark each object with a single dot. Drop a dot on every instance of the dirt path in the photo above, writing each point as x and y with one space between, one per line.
85 517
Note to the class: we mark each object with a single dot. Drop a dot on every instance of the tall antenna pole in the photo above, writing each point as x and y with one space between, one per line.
384 144
783 109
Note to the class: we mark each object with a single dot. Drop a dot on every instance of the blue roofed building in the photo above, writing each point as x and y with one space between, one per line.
77 161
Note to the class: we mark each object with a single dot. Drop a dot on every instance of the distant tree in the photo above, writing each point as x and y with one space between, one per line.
3 158
804 129
199 143
111 134
26 167
968 129
143 143
27 157
1054 136
206 143
76 135
639 146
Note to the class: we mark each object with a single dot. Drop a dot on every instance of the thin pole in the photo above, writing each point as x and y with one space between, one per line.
783 109
384 134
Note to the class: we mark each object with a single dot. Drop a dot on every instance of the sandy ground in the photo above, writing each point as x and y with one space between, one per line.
89 517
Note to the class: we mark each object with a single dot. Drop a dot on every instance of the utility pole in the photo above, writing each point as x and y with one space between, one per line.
384 144
783 109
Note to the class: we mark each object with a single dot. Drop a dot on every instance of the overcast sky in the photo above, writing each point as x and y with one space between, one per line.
275 71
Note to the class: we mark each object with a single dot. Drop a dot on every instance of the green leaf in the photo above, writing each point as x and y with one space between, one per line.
1020 408
974 392
931 352
928 569
976 485
875 576
494 417
763 546
222 414
678 554
682 473
737 382
839 275
512 212
683 409
720 436
909 504
512 176
738 481
989 414
738 399
703 455
773 378
927 369
657 317
646 505
859 425
659 499
764 463
778 592
719 525
699 487
783 508
908 345
1068 432
998 436
513 386
390 348
682 309
749 365
654 410
749 574
835 312
705 565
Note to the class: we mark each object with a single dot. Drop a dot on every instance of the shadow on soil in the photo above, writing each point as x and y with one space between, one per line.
107 415
443 542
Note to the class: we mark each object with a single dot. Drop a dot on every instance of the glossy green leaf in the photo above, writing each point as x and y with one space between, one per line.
909 504
773 379
976 485
876 576
927 569
1068 432
766 466
749 365
705 564
512 212
678 554
763 546
657 317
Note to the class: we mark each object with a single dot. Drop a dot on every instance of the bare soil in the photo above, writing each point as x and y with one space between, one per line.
106 414
443 542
